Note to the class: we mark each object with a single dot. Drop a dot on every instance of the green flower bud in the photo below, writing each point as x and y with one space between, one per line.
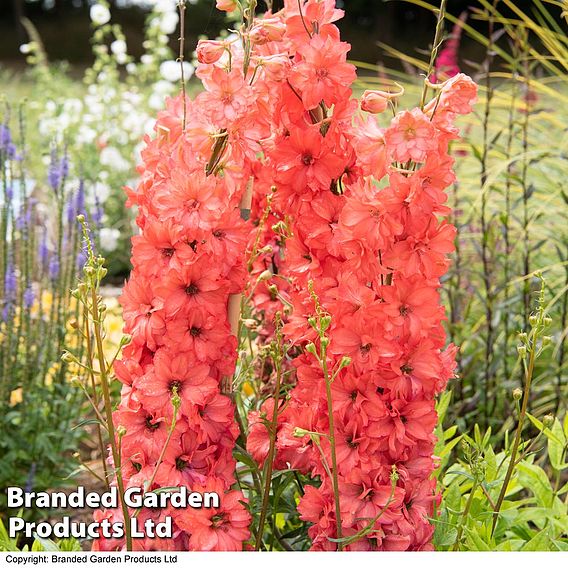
517 394
300 432
547 420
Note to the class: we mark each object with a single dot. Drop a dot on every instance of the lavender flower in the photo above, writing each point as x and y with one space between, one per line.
29 297
54 171
43 251
10 281
10 290
53 267
80 199
6 143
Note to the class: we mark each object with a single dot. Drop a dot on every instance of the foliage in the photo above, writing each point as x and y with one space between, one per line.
39 544
104 119
38 259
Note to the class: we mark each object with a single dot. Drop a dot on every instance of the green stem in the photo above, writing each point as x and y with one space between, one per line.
108 410
335 479
271 451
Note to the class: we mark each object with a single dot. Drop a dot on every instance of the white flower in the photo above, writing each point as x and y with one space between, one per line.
112 158
100 14
165 6
168 23
171 70
109 238
25 48
131 68
118 46
146 59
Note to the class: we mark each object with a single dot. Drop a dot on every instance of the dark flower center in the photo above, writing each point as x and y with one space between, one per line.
195 331
365 348
168 252
354 395
307 159
181 464
174 386
218 520
351 443
191 290
406 369
150 424
218 234
404 310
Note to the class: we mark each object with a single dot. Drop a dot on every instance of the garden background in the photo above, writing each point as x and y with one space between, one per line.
77 98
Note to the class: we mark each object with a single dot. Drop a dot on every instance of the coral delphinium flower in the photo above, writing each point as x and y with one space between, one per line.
374 258
187 261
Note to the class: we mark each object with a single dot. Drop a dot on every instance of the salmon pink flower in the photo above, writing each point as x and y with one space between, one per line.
322 71
410 136
222 528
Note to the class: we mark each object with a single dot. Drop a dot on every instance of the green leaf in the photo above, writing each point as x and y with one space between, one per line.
452 498
474 542
539 542
44 545
534 479
556 445
442 405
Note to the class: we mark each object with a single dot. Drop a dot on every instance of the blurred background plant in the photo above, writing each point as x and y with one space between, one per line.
105 117
510 207
39 255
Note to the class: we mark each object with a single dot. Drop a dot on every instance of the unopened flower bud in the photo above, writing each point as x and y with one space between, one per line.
249 323
547 420
67 357
267 29
546 340
522 351
89 271
377 101
374 102
547 320
325 322
300 432
266 250
121 431
523 337
81 219
311 348
345 362
226 5
517 394
125 340
210 51
73 323
312 321
265 275
533 320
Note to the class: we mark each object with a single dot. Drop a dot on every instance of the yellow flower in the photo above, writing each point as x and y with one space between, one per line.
16 396
247 388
